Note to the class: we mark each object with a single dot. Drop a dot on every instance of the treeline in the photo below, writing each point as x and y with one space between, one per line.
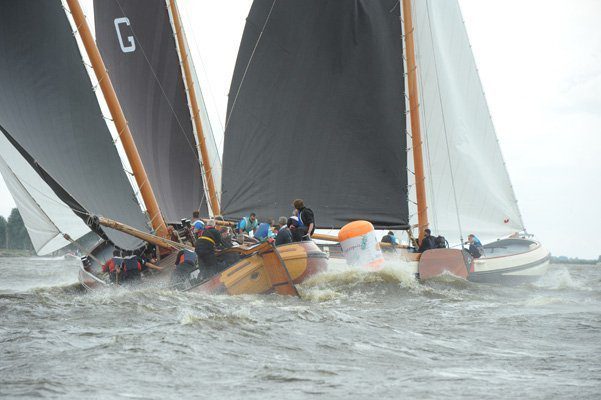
13 234
570 260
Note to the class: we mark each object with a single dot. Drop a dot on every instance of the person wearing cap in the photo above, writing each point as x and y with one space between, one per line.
306 219
428 242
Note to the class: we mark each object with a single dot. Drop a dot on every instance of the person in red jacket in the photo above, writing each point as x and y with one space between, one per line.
113 266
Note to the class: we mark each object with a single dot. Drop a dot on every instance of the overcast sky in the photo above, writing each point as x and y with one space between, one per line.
540 65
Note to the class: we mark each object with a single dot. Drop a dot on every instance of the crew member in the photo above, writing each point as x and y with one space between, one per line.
428 242
306 219
206 245
197 224
284 235
264 231
292 224
132 268
390 238
248 224
113 266
475 249
185 263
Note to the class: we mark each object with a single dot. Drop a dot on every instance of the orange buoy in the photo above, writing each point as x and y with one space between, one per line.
360 245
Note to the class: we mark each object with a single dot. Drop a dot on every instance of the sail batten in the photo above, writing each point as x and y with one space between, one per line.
48 106
318 114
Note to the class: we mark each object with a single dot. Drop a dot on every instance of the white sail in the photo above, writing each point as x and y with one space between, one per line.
45 216
468 187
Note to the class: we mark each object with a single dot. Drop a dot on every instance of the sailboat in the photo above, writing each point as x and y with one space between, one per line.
70 177
317 110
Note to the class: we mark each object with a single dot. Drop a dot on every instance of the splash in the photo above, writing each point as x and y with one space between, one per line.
340 280
560 279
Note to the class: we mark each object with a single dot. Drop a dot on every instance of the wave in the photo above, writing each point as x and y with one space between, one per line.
560 279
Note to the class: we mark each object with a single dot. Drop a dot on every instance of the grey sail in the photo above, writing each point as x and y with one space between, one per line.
317 112
49 108
138 47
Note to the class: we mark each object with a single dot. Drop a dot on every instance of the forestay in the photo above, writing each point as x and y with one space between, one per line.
316 111
137 44
48 106
45 215
458 135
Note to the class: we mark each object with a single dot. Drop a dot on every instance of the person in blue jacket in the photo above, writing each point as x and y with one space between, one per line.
248 224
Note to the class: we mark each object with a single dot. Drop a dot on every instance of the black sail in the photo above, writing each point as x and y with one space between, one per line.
316 111
138 47
48 106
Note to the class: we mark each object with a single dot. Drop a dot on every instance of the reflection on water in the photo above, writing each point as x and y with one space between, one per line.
352 334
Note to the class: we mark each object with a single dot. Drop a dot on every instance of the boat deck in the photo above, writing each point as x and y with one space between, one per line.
506 247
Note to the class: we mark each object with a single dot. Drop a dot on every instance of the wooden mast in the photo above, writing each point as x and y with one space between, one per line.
416 138
206 162
156 219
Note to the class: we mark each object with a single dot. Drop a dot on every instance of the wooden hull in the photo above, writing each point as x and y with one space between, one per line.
264 271
261 273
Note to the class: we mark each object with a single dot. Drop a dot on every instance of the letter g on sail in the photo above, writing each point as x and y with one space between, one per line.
132 44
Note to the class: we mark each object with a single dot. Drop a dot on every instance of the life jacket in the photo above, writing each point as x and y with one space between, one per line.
112 264
132 266
188 257
248 225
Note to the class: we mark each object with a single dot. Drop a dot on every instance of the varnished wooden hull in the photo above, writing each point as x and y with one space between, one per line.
265 271
261 273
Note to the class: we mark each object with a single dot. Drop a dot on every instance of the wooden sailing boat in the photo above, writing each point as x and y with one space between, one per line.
64 141
317 110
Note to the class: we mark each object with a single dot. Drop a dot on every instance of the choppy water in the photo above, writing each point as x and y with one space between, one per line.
353 335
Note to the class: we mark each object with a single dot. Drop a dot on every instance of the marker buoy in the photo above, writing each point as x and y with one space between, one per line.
360 245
